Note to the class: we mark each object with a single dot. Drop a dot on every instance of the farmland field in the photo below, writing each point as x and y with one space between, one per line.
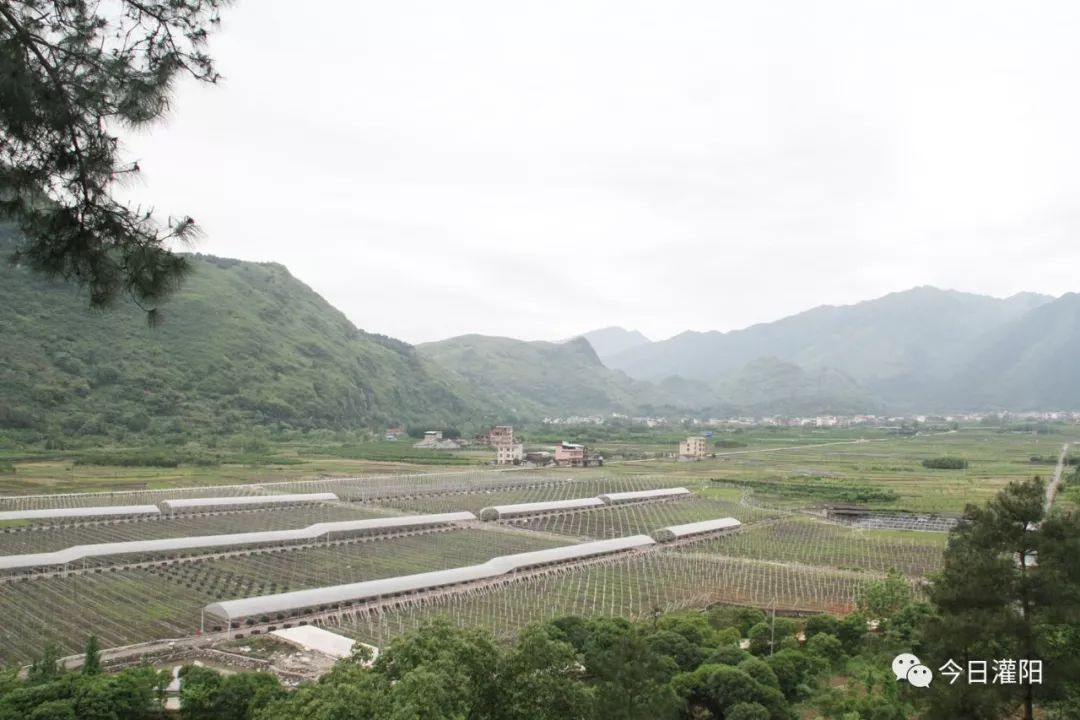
776 483
637 518
813 542
635 588
131 606
57 536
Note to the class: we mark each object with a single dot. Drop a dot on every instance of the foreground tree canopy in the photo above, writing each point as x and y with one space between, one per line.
71 74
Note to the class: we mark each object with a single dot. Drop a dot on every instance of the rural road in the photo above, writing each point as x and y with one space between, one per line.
1055 482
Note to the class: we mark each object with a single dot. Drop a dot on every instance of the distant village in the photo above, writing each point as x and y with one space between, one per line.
829 421
508 450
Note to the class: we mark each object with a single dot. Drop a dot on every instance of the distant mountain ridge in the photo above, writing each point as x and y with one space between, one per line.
246 345
611 341
535 379
909 350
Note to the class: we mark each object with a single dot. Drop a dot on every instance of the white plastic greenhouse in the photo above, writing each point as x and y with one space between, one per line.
321 598
80 512
642 495
311 532
501 512
696 529
172 506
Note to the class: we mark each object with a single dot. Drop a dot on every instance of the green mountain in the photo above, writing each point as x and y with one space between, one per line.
611 341
767 385
242 344
531 379
246 344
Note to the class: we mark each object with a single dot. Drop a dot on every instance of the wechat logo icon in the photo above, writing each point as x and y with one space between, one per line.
909 668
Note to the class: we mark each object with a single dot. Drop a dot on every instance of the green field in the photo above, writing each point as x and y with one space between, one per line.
786 555
131 606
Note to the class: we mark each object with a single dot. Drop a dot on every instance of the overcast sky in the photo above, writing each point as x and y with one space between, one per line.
539 169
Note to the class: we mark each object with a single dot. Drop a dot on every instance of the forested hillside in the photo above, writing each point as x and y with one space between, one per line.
530 379
246 344
1027 364
241 344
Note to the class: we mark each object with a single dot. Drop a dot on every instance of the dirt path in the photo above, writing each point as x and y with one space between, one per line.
1055 482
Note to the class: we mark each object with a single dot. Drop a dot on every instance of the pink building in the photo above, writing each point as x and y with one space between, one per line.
501 435
570 454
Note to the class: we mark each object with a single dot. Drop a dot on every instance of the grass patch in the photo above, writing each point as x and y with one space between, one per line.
822 491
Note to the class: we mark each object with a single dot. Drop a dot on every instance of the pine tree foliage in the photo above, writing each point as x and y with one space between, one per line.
1010 588
72 73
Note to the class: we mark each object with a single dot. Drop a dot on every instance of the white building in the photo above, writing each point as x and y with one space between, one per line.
509 454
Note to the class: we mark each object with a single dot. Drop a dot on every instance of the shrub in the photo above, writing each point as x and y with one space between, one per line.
740 618
727 655
945 463
826 647
747 711
821 624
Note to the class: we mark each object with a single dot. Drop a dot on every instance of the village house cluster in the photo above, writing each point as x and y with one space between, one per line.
509 450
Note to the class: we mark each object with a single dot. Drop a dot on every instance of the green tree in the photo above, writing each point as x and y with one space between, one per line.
717 688
129 695
693 626
440 671
348 692
540 680
747 711
821 624
742 618
198 692
851 631
630 679
686 654
92 659
727 655
827 647
1009 588
796 671
882 599
54 710
73 72
47 667
760 671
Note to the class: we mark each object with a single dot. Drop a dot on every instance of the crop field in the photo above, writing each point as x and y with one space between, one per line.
47 538
638 518
814 542
806 473
785 556
132 606
635 587
120 608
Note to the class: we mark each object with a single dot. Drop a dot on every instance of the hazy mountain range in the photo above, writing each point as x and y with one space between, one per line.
245 344
921 349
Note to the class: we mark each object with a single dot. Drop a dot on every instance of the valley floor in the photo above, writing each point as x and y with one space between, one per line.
788 554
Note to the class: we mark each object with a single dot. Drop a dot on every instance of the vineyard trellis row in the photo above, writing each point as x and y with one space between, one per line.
781 557
633 587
